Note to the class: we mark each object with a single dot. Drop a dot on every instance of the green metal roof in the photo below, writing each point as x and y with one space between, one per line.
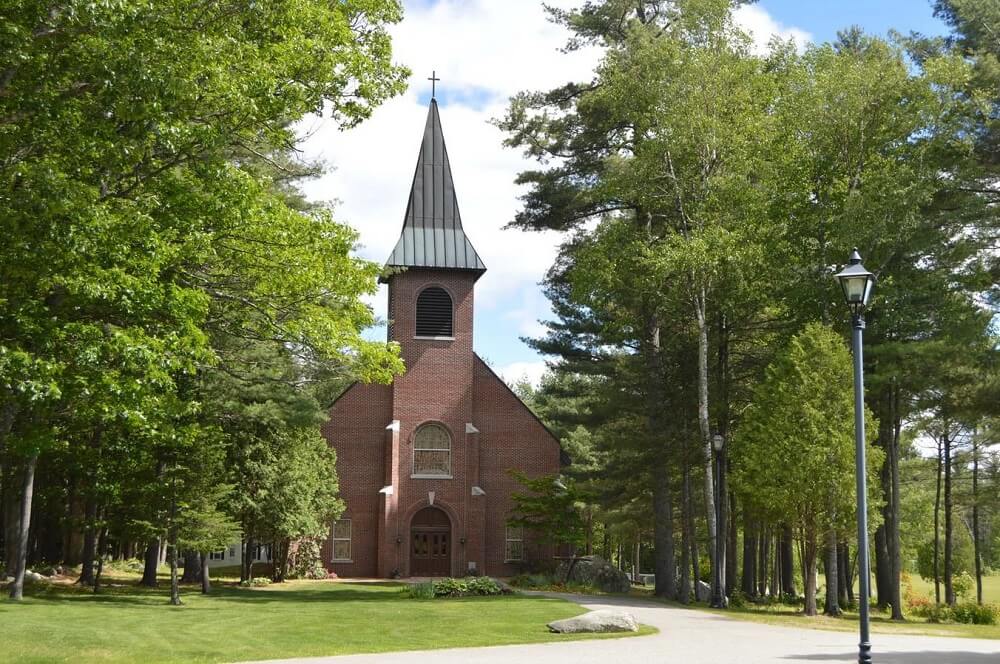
432 233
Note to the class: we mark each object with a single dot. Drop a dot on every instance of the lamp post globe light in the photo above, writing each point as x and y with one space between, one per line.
718 580
857 283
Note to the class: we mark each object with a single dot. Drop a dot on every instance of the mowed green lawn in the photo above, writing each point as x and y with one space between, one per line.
991 588
301 618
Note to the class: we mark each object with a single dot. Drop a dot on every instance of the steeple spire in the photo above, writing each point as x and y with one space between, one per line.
432 233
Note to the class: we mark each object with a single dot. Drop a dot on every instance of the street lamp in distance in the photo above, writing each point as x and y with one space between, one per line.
857 283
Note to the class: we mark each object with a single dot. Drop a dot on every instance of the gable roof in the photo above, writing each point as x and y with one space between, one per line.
564 459
432 234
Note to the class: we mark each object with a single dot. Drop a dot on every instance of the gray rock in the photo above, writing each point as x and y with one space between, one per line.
702 591
596 572
34 577
602 620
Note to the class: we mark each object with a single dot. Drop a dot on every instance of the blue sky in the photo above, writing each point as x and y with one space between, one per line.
484 51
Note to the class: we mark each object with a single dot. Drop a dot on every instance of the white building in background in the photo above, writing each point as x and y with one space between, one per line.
233 555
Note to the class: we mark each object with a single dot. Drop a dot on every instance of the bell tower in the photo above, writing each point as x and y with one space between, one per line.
431 295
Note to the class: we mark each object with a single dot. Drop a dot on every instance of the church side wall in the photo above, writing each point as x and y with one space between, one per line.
356 430
511 438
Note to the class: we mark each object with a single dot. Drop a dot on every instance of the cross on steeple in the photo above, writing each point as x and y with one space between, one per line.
433 79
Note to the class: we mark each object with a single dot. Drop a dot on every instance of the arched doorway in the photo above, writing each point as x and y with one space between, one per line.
430 543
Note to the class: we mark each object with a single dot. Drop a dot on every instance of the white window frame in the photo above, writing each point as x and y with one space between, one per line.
334 539
217 555
413 457
508 538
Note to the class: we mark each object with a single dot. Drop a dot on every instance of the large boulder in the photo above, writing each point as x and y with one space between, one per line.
602 620
597 572
34 577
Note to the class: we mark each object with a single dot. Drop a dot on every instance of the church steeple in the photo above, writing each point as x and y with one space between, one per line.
432 235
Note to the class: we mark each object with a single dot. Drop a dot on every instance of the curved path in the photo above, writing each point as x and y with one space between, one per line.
699 637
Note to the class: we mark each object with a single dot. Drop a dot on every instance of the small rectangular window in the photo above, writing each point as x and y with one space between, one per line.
342 540
514 549
217 555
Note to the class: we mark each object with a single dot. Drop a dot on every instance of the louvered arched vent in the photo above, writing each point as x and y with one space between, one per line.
434 313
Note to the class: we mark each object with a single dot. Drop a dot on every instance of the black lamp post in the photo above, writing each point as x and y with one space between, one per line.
857 283
718 589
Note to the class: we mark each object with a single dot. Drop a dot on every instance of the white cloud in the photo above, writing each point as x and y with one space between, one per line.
515 371
762 27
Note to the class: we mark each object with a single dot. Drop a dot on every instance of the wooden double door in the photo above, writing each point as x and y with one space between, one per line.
430 543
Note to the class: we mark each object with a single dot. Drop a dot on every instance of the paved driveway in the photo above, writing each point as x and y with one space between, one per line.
698 637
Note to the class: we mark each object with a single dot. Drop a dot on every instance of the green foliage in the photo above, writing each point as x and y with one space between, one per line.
422 590
550 509
968 613
470 586
803 414
256 582
962 560
971 613
307 561
532 580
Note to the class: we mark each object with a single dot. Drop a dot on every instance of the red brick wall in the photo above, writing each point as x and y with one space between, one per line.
445 382
356 430
512 438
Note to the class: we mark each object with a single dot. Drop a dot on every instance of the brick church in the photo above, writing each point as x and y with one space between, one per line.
423 463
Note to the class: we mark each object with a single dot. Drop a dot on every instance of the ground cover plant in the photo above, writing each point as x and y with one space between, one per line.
128 623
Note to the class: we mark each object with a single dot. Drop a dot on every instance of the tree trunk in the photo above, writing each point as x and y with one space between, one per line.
809 561
937 527
635 559
762 561
832 605
949 589
89 543
21 560
192 568
843 575
894 541
206 583
102 546
175 591
704 425
663 512
787 562
152 560
731 557
749 579
663 535
976 550
248 556
881 567
684 594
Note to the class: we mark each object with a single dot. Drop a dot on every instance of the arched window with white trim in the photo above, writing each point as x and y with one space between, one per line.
432 451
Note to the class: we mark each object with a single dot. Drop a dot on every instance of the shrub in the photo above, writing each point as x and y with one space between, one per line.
483 586
937 613
305 560
962 585
532 581
423 590
129 565
255 582
737 599
470 586
971 613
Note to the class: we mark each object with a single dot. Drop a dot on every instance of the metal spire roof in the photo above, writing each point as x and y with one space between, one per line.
432 228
